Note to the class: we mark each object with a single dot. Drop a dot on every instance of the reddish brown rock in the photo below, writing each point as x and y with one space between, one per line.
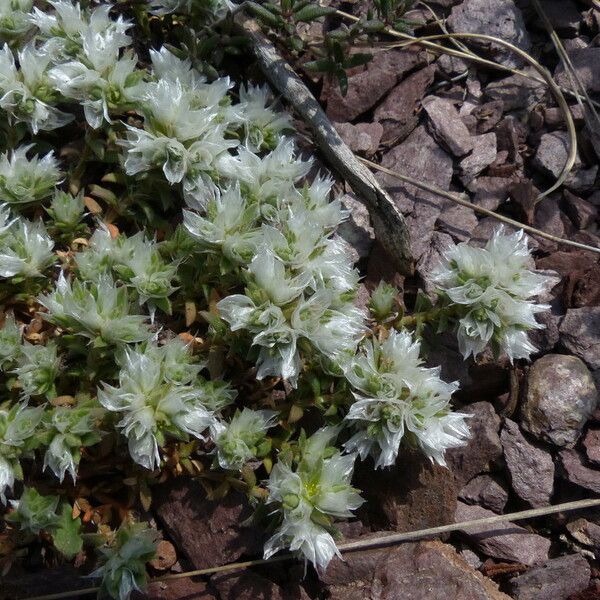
557 579
247 585
580 333
505 541
585 532
530 466
446 126
414 494
218 535
581 212
177 589
485 491
430 570
586 62
398 113
484 154
362 138
591 444
483 446
366 88
573 469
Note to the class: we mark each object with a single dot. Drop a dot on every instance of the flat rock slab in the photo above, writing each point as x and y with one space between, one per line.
517 91
497 18
586 62
446 125
557 579
247 585
560 398
485 491
483 155
209 533
504 541
530 467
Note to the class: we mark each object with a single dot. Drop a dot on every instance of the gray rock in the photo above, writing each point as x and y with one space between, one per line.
440 242
498 18
584 532
560 398
362 138
552 153
573 469
490 192
483 155
483 447
586 62
366 88
459 221
580 334
429 570
557 579
581 212
504 541
247 585
530 467
415 157
563 15
398 113
446 125
549 218
516 91
591 445
485 491
356 230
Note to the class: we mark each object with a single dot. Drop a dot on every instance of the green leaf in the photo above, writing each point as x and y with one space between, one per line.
65 533
264 15
312 13
356 60
342 80
323 65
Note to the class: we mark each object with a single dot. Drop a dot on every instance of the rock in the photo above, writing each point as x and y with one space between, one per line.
366 88
491 192
557 579
362 138
586 62
488 115
580 211
247 585
218 535
482 448
591 444
505 541
582 180
516 91
415 157
414 494
530 467
356 230
549 218
555 118
484 154
552 153
166 556
573 469
560 398
580 334
498 18
446 125
176 589
563 15
440 242
459 221
398 112
485 491
18 583
584 532
429 570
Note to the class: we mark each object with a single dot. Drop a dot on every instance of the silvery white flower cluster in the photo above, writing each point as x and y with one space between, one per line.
309 493
25 246
160 395
491 289
397 399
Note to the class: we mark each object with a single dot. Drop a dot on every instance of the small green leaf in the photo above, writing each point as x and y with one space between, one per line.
356 60
323 65
65 533
312 13
265 15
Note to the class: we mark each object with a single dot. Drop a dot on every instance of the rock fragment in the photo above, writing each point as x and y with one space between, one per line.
573 469
580 334
560 398
485 491
446 125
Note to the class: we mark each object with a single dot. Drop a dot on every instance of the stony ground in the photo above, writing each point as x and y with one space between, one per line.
536 427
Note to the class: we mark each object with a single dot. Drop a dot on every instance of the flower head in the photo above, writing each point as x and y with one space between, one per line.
37 369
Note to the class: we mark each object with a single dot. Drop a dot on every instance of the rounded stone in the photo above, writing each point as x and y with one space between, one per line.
560 398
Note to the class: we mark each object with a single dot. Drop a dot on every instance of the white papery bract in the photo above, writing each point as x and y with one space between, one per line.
25 249
26 93
491 289
37 369
10 341
155 405
14 20
25 181
240 439
398 399
309 496
97 310
66 430
17 428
